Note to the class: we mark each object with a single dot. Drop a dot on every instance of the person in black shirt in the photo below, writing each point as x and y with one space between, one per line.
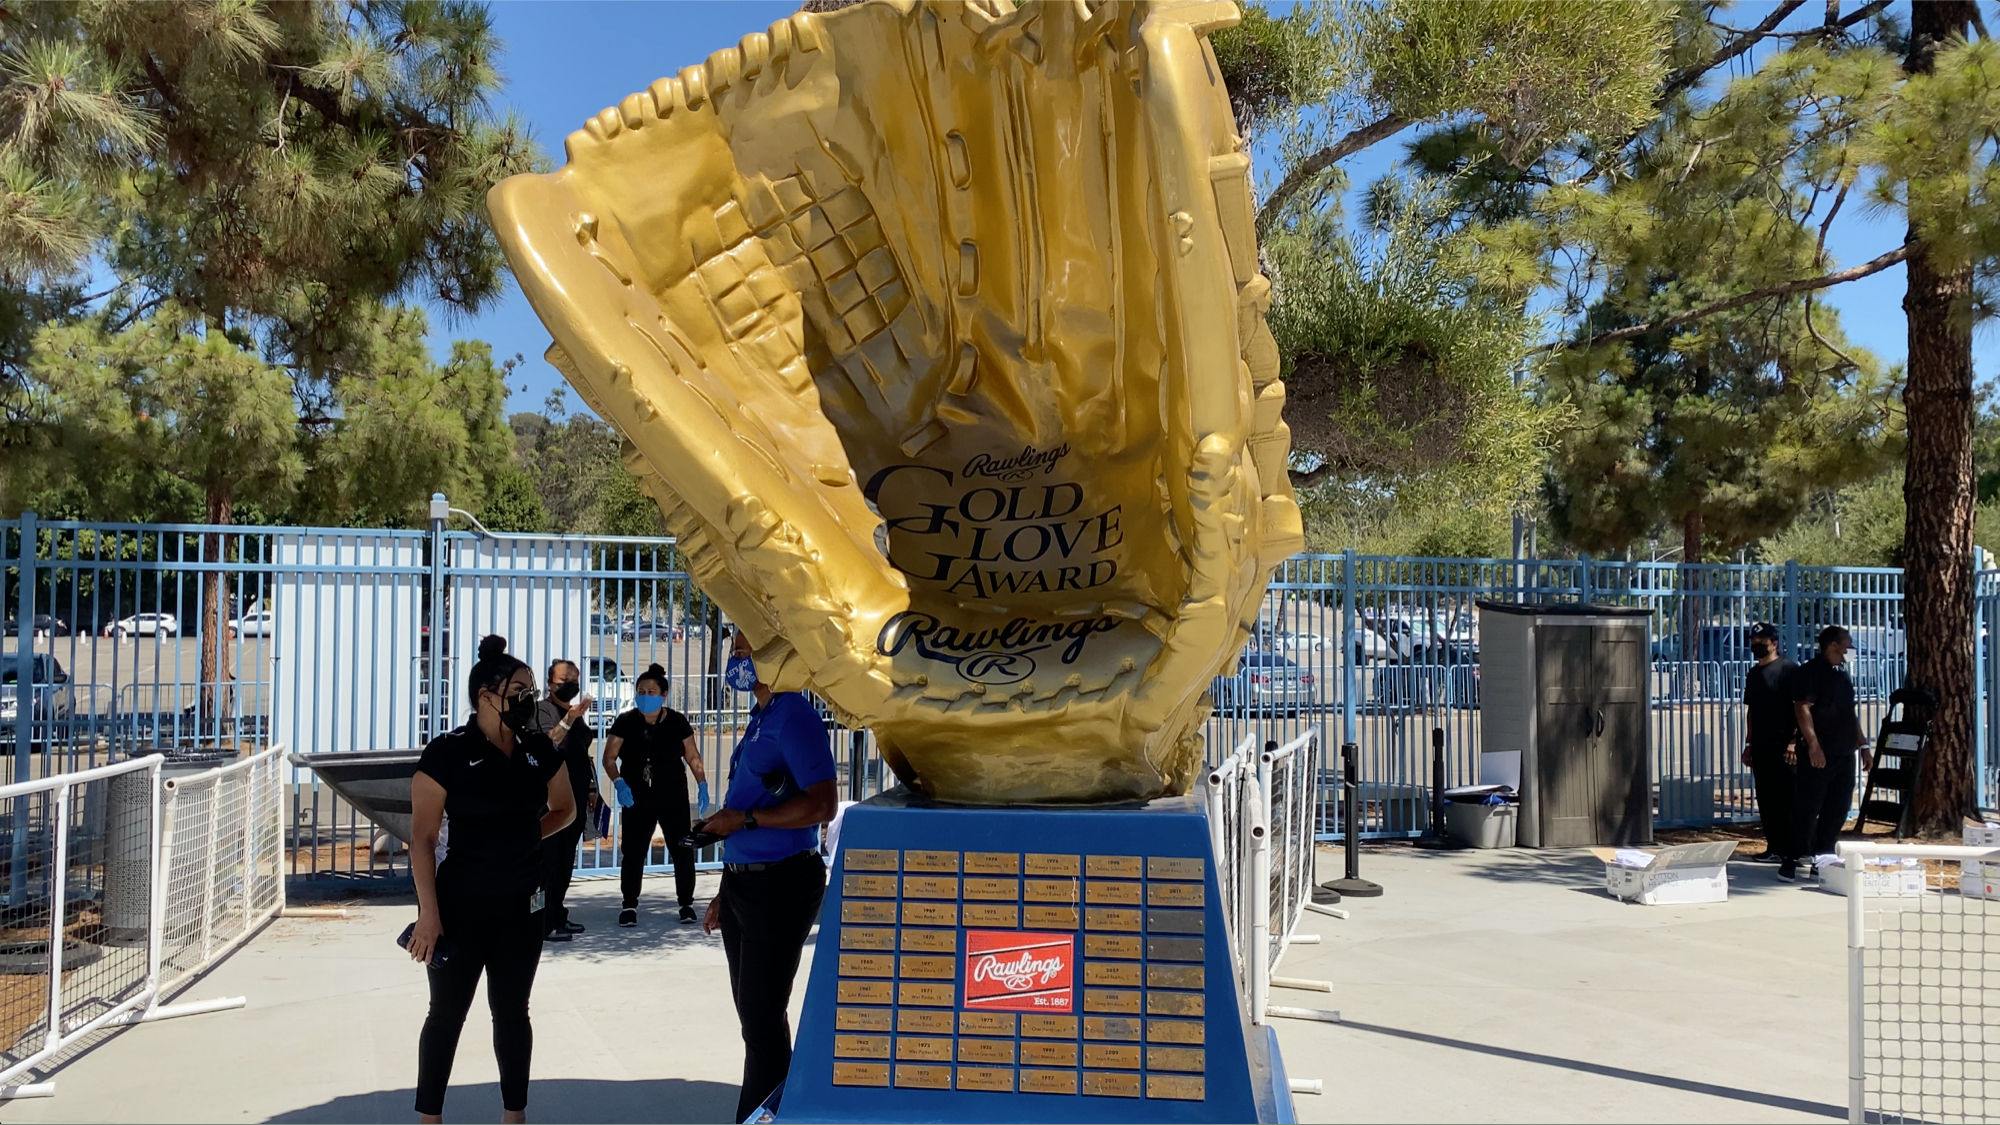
1769 729
642 757
1823 702
564 716
484 798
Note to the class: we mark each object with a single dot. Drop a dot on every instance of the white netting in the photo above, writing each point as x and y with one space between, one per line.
1924 987
77 878
225 862
1288 778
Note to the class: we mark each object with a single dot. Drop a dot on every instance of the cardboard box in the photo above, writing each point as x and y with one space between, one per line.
1481 826
1979 886
1974 871
1677 876
1880 878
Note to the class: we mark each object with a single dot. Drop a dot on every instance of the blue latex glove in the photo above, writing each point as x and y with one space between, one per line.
701 796
624 793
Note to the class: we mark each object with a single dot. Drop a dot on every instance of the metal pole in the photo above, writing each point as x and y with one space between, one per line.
58 891
1352 885
1259 953
1857 940
1349 675
857 755
436 618
24 711
1435 836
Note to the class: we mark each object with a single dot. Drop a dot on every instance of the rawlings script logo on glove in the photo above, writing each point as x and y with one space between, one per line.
936 331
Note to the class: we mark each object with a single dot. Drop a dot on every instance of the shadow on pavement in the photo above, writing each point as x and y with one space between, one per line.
554 1100
1734 1093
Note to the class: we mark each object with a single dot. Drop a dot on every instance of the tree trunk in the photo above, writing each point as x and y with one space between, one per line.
213 690
1938 487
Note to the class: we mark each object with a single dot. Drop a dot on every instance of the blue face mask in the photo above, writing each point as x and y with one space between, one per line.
741 674
649 704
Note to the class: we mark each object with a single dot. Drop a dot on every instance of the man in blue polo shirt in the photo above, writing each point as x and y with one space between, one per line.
780 791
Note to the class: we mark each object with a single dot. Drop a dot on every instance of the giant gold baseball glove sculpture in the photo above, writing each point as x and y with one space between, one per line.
936 330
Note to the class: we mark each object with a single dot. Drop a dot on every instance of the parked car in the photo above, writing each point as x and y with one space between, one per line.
604 681
1264 683
46 625
258 623
145 625
1425 640
52 696
603 625
1301 642
643 628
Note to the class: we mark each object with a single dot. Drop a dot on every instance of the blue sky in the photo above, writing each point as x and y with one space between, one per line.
567 59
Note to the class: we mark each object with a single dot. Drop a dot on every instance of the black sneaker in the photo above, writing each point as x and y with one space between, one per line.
1789 870
628 917
572 927
557 935
687 914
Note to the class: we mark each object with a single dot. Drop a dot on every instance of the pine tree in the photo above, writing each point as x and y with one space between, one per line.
291 169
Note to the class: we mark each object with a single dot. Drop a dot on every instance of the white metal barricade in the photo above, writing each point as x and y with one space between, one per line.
1922 944
124 884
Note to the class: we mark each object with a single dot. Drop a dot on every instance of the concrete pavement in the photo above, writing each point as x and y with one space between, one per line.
1488 986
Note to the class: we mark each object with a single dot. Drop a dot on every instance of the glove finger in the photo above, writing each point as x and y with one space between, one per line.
810 558
1203 179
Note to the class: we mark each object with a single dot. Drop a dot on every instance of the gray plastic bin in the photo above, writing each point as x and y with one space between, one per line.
1481 826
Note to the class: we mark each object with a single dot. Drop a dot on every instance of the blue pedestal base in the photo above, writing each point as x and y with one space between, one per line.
1027 965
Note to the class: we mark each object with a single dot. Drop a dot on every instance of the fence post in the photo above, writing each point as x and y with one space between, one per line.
1980 656
1791 608
1583 590
24 711
1350 680
1857 942
435 617
58 892
24 659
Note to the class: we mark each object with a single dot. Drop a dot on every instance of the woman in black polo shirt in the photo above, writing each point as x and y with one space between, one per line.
478 798
642 757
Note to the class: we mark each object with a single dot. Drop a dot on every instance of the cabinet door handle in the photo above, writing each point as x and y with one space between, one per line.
1600 723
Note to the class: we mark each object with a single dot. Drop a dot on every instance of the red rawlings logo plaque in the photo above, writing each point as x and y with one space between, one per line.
1007 970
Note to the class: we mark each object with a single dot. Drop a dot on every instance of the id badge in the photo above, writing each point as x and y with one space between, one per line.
535 902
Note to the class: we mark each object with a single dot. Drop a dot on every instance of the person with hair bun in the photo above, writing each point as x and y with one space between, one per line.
642 757
484 798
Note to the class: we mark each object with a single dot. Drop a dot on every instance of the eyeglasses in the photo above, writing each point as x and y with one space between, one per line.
529 695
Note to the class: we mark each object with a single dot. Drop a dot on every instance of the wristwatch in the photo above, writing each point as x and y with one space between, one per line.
749 820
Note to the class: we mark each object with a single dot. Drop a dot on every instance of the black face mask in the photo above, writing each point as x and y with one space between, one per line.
1759 649
520 714
564 693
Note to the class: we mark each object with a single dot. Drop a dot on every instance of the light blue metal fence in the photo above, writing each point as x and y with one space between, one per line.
186 638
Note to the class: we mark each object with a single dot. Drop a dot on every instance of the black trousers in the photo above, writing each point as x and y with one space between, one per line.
636 847
503 940
1823 796
766 916
558 866
1777 784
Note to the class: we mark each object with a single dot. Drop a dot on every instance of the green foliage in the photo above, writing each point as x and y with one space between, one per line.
1938 157
287 173
1722 434
1274 65
165 395
1533 73
512 505
1430 525
1394 366
405 427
